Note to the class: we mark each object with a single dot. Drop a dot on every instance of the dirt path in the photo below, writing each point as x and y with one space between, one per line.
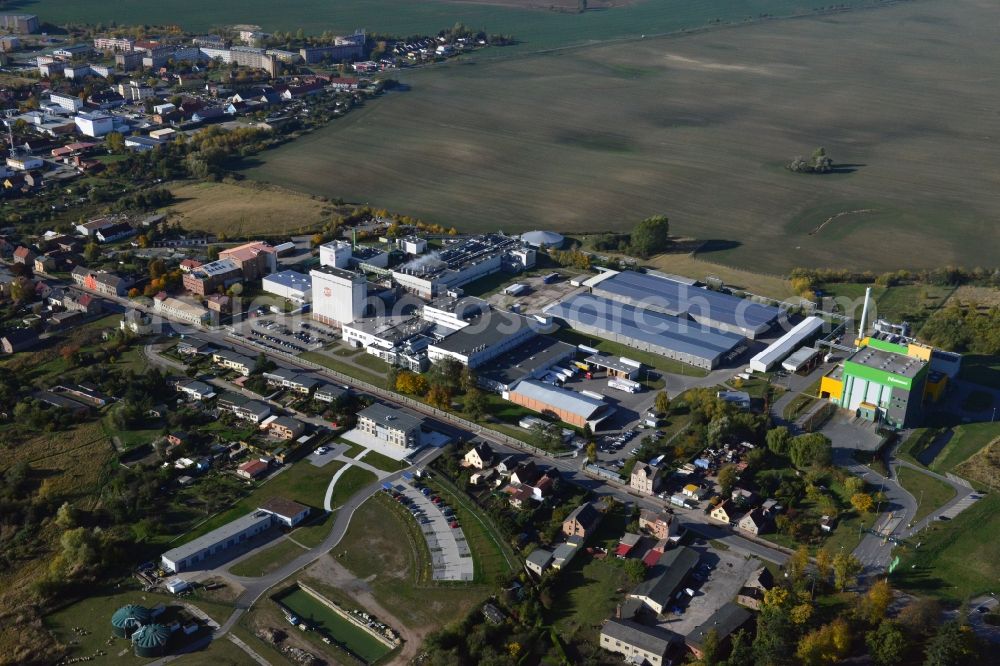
331 572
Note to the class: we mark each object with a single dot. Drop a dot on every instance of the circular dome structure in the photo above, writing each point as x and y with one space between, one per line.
128 619
543 239
151 640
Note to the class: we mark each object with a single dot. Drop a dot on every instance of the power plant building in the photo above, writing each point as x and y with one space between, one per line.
674 337
885 382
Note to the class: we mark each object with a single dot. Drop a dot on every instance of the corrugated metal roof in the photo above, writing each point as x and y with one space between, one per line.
655 328
559 398
784 345
672 297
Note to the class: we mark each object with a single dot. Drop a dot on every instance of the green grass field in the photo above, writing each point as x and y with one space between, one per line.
269 559
957 559
966 440
383 547
929 492
537 29
689 127
383 462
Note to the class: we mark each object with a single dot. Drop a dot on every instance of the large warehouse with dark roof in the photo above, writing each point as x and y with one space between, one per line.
648 330
711 308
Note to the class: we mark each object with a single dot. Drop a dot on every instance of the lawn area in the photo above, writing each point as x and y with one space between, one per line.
588 590
220 652
383 462
93 616
301 481
269 559
957 559
326 621
649 359
384 548
929 492
246 209
966 440
912 302
353 480
372 363
348 369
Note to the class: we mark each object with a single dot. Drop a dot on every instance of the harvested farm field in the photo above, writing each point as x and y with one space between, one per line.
699 127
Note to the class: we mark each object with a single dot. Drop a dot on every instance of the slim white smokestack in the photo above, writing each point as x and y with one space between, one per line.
864 313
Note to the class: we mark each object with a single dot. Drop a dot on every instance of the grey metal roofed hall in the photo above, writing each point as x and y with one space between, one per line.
661 294
392 417
648 330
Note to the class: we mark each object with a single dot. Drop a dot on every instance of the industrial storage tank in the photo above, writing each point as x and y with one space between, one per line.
127 619
543 239
151 640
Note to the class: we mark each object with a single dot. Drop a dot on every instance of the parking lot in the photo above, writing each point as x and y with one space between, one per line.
717 579
289 334
451 557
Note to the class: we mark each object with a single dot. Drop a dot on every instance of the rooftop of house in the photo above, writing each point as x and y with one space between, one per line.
283 507
653 640
724 621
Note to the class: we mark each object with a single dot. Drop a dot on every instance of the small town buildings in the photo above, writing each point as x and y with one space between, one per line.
329 393
725 621
252 469
659 524
723 512
114 232
669 575
231 360
255 260
102 282
391 426
565 552
250 410
290 379
538 561
480 456
209 277
286 427
24 255
582 521
180 309
645 478
626 544
196 390
757 583
638 643
287 512
18 340
755 522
